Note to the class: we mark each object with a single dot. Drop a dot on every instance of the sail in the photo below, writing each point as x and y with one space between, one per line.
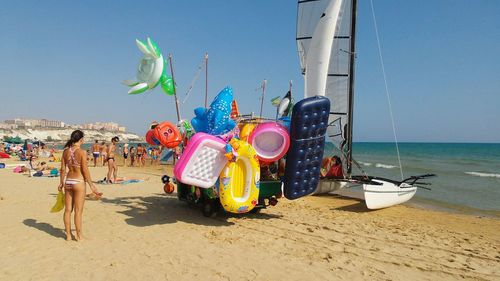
315 42
336 82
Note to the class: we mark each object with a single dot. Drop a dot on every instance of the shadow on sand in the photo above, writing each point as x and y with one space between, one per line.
347 204
45 227
359 207
165 209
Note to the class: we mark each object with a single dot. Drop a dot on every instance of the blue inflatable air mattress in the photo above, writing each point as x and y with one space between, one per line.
307 142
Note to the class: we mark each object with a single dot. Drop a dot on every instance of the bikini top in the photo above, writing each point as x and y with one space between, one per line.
72 160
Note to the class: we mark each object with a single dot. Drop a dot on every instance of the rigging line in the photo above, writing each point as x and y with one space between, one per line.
386 89
197 75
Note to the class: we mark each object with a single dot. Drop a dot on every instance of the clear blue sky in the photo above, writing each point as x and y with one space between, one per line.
65 60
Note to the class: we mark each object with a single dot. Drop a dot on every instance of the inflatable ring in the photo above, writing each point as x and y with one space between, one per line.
239 180
270 141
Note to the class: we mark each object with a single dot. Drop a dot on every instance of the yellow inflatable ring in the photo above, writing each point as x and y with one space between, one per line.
239 180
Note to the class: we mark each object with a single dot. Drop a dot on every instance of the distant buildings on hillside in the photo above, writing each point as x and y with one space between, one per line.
108 126
33 123
21 123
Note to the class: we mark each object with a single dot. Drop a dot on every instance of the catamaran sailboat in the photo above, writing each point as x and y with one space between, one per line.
326 47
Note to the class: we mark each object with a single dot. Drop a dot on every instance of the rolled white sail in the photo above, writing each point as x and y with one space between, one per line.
318 61
324 47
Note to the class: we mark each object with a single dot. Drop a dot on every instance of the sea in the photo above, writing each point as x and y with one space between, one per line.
468 174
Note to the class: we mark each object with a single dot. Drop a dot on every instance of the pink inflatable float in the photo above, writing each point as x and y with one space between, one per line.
202 161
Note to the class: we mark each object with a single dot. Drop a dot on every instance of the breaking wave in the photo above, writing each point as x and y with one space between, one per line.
483 175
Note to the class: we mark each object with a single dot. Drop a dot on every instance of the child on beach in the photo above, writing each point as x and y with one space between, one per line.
74 162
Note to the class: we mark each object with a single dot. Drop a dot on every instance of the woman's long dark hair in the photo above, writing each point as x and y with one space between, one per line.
76 136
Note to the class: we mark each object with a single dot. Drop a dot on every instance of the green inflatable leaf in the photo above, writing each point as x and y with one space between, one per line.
167 85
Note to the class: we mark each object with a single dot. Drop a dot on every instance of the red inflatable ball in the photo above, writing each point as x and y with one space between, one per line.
168 188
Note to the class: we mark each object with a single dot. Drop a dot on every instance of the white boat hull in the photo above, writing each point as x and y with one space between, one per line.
376 196
388 194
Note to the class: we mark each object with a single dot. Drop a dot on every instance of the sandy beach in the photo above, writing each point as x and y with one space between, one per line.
137 232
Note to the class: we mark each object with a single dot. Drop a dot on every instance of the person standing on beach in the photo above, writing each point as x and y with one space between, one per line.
125 154
96 151
74 159
154 156
132 155
140 155
112 167
104 152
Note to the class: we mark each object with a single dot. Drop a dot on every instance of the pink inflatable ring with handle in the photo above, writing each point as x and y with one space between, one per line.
270 141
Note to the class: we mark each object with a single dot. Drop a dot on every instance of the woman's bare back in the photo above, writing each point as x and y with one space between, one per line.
73 159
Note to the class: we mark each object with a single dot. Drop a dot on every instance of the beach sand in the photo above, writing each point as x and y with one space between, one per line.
137 232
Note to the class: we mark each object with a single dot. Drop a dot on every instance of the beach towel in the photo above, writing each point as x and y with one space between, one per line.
4 155
18 169
130 181
59 205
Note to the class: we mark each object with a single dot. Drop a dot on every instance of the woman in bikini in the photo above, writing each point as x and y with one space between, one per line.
112 167
140 155
74 162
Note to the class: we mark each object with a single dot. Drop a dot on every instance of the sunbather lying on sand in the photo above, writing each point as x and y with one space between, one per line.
121 180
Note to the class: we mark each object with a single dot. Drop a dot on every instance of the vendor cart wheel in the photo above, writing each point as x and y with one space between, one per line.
210 208
255 210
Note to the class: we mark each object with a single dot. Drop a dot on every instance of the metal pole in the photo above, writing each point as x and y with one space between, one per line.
352 53
175 92
263 94
206 80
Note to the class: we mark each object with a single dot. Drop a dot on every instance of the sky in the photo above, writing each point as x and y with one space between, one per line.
65 60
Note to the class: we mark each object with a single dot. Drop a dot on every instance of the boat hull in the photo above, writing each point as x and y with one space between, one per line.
387 194
380 194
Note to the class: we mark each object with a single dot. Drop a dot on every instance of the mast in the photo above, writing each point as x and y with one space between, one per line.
175 93
262 98
352 53
206 80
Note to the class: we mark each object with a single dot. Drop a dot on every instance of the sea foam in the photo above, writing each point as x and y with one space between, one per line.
378 165
483 175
